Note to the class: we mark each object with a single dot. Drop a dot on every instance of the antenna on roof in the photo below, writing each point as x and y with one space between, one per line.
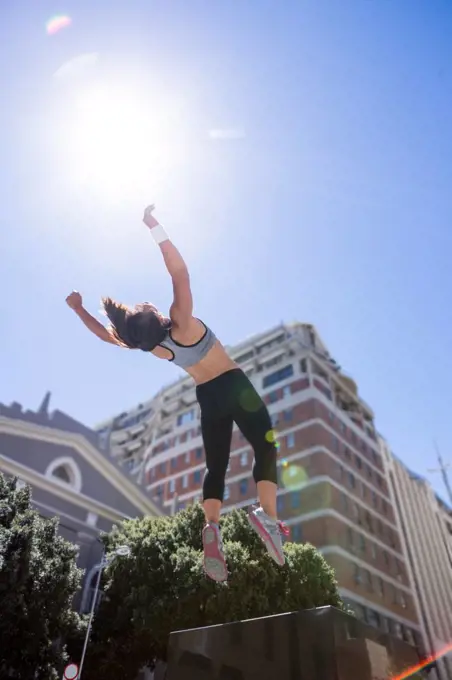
442 469
44 407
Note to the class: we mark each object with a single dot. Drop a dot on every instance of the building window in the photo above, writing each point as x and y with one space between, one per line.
187 457
197 476
243 486
296 533
374 499
395 598
290 440
344 501
185 481
244 459
362 543
368 579
303 366
381 587
172 485
227 493
349 537
351 480
287 391
295 500
245 357
91 519
62 474
360 611
277 376
288 415
398 630
373 618
273 397
373 550
198 452
357 575
369 472
335 443
274 418
347 453
342 427
185 418
66 471
173 463
358 462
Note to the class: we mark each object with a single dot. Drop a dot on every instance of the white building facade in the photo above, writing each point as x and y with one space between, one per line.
426 530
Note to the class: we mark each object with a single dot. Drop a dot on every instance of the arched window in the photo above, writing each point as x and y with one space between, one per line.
63 473
66 471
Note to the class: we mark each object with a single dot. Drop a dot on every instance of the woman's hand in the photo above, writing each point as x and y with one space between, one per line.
74 300
149 218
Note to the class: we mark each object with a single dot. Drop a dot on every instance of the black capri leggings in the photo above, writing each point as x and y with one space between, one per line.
224 400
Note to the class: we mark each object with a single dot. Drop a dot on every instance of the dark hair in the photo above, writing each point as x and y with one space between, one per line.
135 330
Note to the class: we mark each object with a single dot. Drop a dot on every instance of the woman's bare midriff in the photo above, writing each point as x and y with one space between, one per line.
215 363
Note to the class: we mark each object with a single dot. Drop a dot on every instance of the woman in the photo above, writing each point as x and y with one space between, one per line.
224 393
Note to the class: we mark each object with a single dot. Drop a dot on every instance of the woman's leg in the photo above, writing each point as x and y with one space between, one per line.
253 420
216 433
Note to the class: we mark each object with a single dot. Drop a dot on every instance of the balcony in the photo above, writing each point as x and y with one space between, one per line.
134 446
137 429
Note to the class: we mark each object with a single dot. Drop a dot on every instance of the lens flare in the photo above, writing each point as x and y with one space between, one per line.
293 477
419 667
250 400
271 436
55 24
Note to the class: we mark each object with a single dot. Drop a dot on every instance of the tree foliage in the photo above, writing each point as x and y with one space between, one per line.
161 587
38 580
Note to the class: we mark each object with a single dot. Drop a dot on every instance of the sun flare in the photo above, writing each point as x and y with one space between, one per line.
118 139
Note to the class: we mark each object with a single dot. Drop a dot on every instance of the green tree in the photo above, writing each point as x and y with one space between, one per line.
38 579
162 587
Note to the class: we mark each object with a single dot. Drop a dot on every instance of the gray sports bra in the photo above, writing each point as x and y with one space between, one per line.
189 355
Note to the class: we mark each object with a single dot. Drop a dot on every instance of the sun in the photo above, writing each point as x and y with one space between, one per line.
117 139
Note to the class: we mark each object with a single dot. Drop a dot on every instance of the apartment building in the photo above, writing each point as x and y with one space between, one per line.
425 527
333 484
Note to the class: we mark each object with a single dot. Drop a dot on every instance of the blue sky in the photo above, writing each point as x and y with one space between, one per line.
331 206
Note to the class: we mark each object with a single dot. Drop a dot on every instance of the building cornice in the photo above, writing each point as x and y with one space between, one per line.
91 455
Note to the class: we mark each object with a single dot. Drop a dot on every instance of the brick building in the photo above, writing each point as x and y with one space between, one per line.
333 484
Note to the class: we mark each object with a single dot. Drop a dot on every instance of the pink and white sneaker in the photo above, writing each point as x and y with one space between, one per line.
214 559
270 531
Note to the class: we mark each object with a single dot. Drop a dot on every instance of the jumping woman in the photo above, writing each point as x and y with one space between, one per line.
223 391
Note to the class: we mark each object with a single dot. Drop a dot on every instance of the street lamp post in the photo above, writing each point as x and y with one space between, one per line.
123 551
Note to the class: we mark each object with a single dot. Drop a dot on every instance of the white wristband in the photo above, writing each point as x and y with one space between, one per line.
159 234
